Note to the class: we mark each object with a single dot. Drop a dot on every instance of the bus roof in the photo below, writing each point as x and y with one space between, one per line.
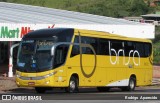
49 33
101 34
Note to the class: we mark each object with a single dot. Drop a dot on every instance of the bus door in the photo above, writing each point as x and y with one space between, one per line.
60 58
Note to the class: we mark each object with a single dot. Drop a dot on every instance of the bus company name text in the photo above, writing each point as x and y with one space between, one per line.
116 60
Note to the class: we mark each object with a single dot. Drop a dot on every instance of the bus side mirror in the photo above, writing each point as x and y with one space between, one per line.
52 50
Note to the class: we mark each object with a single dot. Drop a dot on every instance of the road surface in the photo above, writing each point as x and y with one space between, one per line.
89 95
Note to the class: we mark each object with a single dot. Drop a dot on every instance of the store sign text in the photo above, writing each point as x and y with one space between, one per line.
5 32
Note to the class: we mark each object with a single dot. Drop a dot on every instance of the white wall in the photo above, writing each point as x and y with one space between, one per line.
12 32
136 31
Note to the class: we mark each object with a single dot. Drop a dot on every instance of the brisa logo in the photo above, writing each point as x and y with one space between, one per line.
132 53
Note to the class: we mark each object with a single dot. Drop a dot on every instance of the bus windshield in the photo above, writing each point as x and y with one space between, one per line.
34 55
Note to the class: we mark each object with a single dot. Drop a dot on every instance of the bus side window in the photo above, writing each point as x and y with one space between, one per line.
147 49
116 45
140 48
89 40
128 46
75 50
103 47
60 55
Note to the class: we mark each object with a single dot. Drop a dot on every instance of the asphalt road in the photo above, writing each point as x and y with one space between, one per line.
87 95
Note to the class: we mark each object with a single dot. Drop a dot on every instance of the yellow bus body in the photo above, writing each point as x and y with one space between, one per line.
105 74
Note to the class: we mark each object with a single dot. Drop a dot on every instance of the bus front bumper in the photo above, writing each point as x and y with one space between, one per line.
36 81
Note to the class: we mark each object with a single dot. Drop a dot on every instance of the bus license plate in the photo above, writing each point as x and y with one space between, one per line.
31 83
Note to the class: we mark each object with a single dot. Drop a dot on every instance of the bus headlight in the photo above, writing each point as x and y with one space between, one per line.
48 75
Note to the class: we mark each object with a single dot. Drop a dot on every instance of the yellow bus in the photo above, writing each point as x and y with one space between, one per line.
71 58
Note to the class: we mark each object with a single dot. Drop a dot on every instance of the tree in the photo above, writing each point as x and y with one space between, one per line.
117 8
3 0
138 7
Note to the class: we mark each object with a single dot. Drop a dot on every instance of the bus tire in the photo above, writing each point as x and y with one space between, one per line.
103 89
73 85
40 89
131 86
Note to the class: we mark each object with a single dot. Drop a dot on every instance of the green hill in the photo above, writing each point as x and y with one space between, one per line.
112 8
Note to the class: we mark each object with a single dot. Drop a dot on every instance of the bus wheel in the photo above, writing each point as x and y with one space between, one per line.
103 89
40 89
131 86
73 85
